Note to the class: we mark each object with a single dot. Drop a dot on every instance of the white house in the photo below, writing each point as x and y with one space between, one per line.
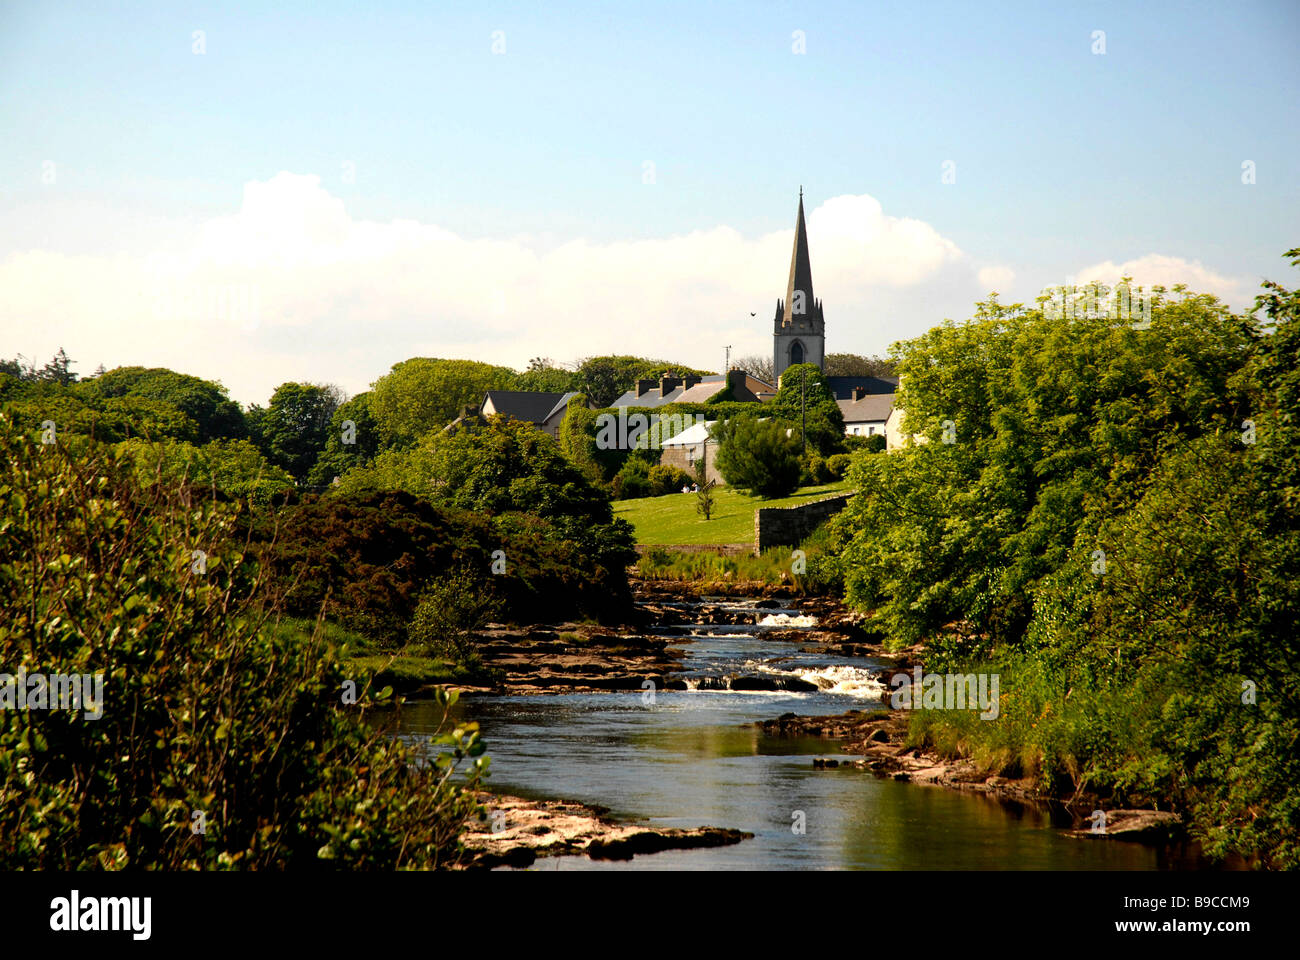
866 414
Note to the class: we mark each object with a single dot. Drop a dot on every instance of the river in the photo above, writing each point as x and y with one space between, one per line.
693 757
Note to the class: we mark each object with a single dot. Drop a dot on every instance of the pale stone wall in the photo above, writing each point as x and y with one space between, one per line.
680 457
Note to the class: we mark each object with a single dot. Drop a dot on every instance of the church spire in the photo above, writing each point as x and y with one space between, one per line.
799 291
798 328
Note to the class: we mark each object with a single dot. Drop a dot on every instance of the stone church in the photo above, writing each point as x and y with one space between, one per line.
799 329
799 336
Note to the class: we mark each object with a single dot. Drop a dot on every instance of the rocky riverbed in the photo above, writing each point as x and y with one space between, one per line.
876 740
517 832
584 658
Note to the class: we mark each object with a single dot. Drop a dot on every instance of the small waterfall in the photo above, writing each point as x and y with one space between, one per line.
785 620
850 681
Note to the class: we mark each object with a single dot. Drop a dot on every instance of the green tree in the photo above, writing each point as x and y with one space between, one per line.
704 498
423 394
855 365
352 440
604 379
295 426
543 376
505 467
761 456
202 401
235 469
804 398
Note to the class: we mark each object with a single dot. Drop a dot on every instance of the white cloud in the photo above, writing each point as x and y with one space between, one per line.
1157 269
291 287
996 278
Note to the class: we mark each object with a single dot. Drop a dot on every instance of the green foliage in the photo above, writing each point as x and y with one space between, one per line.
58 371
204 402
364 559
577 438
339 457
633 481
705 498
1114 529
424 394
235 469
758 456
294 428
109 421
450 609
804 392
837 465
504 467
854 365
206 706
604 379
665 478
542 376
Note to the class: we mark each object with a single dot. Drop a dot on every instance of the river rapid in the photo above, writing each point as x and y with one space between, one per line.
689 758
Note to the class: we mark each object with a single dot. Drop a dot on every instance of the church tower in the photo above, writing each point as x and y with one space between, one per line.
799 331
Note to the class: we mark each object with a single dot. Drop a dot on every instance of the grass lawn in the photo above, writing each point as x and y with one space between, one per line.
671 519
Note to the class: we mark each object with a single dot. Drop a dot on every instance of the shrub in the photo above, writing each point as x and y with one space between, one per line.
837 465
758 456
450 609
665 479
633 480
206 705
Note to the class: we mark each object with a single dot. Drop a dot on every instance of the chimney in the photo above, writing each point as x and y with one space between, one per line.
668 384
859 393
690 381
645 386
736 381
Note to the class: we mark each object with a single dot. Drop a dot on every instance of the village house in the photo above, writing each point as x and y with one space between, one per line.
545 411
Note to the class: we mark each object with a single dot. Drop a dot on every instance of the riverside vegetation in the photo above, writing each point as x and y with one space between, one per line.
1112 527
1104 514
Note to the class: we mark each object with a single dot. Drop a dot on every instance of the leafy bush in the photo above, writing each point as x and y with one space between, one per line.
757 455
364 559
505 466
838 465
206 705
665 478
450 609
633 480
1107 516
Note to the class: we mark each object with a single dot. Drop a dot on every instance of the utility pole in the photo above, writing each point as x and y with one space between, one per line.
726 367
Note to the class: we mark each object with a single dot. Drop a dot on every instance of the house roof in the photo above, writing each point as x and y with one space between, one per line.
873 408
842 387
700 392
696 433
527 405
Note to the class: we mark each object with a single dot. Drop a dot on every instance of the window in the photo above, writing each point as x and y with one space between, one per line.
796 354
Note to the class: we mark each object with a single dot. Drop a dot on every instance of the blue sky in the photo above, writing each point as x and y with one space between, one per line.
1065 160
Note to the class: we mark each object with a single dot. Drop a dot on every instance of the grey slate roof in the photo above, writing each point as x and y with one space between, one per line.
873 408
526 405
842 387
653 399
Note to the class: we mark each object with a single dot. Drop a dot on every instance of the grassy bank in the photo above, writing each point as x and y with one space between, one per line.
672 520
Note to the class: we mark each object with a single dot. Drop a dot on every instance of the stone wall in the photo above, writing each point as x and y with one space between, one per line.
722 549
787 526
